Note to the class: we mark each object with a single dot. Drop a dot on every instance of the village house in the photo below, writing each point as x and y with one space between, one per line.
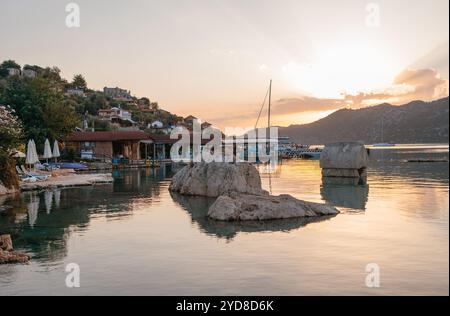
29 73
77 92
117 93
14 72
115 115
190 120
26 72
158 127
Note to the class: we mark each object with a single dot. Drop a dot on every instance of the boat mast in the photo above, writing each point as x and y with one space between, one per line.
270 103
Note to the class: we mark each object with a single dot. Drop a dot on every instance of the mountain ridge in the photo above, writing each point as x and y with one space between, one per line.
414 122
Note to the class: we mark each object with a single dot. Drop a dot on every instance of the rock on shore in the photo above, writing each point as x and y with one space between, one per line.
7 254
4 190
242 207
215 179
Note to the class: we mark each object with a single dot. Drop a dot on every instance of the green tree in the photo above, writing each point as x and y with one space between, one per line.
78 82
10 138
5 65
40 106
154 106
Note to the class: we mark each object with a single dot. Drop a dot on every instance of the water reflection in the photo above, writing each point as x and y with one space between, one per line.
40 223
197 207
348 195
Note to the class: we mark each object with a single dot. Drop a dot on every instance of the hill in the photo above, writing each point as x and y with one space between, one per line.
415 122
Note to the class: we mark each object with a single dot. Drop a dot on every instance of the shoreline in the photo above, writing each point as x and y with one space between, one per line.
66 181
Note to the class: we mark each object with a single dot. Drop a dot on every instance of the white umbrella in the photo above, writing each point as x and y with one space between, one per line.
47 150
36 157
31 157
56 153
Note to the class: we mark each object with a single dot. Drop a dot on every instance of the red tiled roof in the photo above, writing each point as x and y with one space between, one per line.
124 136
108 136
190 118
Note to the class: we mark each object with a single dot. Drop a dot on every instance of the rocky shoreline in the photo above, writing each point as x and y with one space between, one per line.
7 253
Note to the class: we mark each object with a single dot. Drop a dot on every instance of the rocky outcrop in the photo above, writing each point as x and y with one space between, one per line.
239 194
215 179
7 253
197 207
244 207
4 190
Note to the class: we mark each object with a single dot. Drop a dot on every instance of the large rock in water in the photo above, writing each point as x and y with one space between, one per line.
243 207
215 179
239 193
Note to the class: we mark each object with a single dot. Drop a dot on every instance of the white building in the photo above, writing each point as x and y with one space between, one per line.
156 125
117 93
29 73
115 114
77 92
14 72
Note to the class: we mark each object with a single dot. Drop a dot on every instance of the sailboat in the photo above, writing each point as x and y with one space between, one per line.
382 144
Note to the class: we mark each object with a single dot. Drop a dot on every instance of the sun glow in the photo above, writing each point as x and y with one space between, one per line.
342 69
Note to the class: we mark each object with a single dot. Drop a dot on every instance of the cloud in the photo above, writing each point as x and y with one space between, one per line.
425 83
409 85
263 67
307 104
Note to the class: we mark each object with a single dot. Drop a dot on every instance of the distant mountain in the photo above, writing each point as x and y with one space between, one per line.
415 122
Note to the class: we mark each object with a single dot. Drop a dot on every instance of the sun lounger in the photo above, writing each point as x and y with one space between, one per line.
24 177
38 176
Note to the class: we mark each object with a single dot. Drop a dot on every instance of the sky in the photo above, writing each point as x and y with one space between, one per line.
214 58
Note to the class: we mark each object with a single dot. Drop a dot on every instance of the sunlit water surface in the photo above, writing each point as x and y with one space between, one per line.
134 237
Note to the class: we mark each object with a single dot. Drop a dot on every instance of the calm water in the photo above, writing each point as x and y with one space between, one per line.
134 237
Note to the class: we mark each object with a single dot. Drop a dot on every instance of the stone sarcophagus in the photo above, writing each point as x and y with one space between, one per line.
345 160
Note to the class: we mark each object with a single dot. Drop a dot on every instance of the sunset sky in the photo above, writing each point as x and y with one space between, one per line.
214 58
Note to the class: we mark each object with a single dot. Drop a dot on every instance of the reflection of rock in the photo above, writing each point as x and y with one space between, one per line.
7 254
240 207
215 179
344 173
343 181
346 195
198 208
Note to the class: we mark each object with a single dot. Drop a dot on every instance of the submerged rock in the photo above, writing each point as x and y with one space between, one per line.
244 207
215 179
7 254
